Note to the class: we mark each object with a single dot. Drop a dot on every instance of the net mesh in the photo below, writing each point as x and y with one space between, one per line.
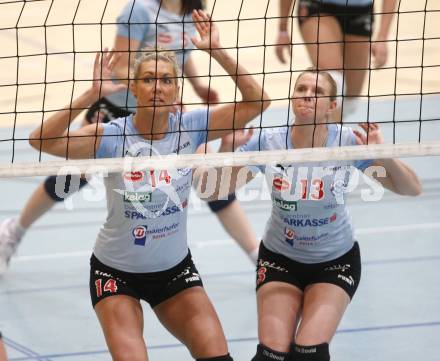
47 53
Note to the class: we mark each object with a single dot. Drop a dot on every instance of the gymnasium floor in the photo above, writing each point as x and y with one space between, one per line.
45 311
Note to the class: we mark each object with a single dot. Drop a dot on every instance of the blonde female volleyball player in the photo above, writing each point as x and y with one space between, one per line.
141 251
309 264
338 35
140 23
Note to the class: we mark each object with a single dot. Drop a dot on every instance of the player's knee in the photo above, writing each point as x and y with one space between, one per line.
218 205
128 356
310 353
264 353
127 350
50 185
217 358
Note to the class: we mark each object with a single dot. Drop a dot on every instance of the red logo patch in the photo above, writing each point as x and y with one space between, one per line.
289 233
261 275
134 176
164 38
280 184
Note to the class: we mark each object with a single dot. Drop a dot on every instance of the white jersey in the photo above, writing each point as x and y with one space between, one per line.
309 222
145 230
153 26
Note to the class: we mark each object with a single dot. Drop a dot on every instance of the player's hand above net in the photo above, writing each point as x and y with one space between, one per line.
104 65
208 31
371 135
235 140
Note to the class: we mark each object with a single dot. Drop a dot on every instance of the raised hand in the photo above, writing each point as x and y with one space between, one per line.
372 135
103 84
234 140
208 31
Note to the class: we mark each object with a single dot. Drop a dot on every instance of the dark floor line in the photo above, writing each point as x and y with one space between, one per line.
242 339
224 274
32 355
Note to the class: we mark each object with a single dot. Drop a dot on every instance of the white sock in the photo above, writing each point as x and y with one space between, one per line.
19 230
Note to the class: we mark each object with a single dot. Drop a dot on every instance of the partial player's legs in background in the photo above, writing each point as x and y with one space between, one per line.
324 39
3 356
356 63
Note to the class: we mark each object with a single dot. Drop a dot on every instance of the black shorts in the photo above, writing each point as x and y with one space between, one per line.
109 111
354 20
344 271
153 287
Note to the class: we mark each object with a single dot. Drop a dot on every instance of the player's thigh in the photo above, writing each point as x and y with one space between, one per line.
324 39
190 317
121 319
357 62
278 305
323 307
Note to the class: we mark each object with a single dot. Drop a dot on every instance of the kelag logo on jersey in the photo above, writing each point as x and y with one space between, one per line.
140 235
140 197
286 205
289 235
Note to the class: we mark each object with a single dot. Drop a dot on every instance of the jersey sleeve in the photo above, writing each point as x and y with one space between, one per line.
360 164
133 22
111 136
195 123
256 143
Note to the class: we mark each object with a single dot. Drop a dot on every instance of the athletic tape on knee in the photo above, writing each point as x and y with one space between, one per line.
341 87
310 353
265 353
217 358
60 193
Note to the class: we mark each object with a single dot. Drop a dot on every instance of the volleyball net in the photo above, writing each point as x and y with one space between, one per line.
48 48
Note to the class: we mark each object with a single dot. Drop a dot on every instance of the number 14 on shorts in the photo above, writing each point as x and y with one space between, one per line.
109 286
